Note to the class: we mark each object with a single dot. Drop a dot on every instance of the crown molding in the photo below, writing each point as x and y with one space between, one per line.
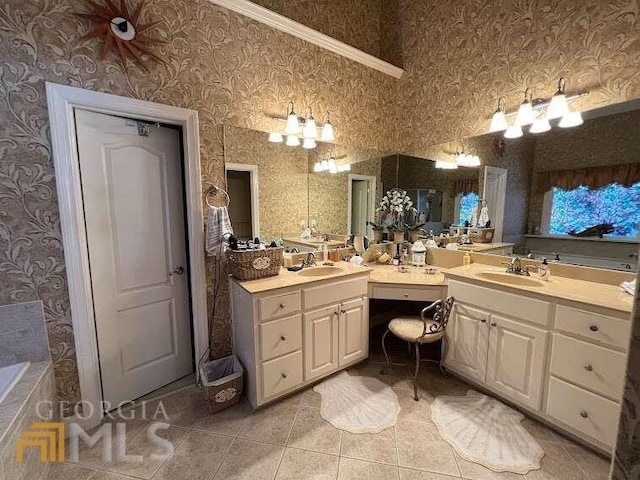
286 25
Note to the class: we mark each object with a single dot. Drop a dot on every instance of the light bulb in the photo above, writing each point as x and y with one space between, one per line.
308 143
514 131
310 130
327 134
525 114
293 127
446 165
498 122
541 125
558 106
293 140
571 119
275 137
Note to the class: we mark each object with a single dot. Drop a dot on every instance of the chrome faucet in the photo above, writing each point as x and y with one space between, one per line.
310 261
515 266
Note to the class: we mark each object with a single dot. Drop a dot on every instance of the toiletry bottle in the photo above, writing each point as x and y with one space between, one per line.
544 272
325 253
466 259
356 259
396 260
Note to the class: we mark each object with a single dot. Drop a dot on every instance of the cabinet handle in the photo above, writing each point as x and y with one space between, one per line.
285 375
588 368
483 320
406 295
494 324
281 306
594 328
343 311
584 414
283 338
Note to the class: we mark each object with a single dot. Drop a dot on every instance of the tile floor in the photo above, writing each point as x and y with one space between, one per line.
290 441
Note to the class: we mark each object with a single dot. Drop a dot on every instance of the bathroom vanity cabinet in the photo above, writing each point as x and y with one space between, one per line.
289 337
564 361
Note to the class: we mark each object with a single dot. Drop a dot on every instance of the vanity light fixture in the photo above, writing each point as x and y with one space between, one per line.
330 165
466 159
308 143
537 113
310 130
293 141
304 128
446 165
499 119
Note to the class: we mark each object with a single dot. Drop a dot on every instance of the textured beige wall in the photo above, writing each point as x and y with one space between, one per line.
230 69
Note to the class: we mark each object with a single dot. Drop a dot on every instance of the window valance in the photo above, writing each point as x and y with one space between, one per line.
465 186
594 177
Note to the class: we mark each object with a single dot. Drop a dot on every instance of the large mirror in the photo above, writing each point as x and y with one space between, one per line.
278 192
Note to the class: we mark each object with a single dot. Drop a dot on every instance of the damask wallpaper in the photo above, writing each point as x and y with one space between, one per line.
230 69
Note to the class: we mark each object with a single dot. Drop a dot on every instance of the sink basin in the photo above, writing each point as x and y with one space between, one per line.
319 271
511 279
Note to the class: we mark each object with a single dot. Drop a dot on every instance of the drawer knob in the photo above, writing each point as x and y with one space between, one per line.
494 324
588 368
483 320
594 328
281 306
283 338
343 311
406 295
285 375
584 414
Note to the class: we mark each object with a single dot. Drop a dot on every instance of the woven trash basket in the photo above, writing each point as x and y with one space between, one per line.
222 380
253 264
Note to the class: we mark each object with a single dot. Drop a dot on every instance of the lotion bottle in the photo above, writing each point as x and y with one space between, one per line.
466 259
544 272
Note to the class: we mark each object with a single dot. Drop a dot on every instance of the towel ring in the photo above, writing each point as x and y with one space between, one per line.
213 190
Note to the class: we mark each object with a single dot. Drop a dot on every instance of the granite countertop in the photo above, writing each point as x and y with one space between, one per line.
591 293
292 279
481 247
409 276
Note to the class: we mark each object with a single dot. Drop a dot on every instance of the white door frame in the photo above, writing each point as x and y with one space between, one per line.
62 100
371 180
498 222
255 200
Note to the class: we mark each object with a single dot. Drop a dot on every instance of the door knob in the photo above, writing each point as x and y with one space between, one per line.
178 271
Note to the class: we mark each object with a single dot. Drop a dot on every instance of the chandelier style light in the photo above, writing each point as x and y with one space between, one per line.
305 128
536 113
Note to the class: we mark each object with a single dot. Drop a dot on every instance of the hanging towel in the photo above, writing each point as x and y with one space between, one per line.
219 229
629 287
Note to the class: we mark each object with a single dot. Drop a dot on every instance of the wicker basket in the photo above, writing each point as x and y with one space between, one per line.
222 380
253 264
481 235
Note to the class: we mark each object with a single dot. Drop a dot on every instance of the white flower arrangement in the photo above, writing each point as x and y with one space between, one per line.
395 204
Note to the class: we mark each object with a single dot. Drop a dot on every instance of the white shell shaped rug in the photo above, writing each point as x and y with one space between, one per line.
358 404
483 430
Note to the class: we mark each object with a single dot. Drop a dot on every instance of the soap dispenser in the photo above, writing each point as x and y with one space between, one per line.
544 271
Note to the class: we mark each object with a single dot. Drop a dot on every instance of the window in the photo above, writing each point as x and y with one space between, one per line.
581 208
468 201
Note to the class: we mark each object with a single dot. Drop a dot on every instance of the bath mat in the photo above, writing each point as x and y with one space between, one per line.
483 430
358 404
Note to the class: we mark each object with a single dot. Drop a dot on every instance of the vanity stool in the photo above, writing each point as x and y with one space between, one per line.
429 327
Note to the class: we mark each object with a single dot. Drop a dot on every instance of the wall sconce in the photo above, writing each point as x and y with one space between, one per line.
537 112
302 127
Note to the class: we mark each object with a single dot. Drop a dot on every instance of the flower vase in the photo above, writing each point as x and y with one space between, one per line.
398 236
377 235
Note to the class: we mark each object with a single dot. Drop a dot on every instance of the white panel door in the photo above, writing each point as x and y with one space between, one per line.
353 331
321 342
133 203
468 333
516 360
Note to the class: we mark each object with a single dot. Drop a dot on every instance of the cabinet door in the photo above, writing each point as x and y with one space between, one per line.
468 335
516 360
353 338
321 342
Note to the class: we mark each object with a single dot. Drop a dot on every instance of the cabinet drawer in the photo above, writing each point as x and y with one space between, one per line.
280 337
593 367
281 374
334 292
609 330
405 293
519 306
587 412
279 305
